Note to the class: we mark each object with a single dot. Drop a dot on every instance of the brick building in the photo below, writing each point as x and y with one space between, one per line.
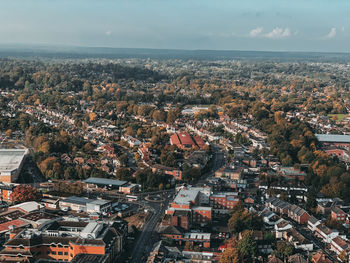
64 240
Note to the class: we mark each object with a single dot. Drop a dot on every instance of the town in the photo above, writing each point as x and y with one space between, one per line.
155 160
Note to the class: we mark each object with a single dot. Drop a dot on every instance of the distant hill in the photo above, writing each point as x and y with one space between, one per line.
62 52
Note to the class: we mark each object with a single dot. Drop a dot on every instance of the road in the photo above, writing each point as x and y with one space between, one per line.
143 245
218 162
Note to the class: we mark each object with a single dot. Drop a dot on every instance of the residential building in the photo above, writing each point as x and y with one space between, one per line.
338 214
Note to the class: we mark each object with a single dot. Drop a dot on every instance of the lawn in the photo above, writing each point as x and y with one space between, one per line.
340 117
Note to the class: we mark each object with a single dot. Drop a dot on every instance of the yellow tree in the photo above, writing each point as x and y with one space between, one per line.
230 255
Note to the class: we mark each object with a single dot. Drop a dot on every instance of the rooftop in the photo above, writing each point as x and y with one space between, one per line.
333 138
104 181
10 159
186 196
77 200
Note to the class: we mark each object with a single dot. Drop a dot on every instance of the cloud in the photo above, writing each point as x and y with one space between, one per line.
255 32
108 33
278 33
331 33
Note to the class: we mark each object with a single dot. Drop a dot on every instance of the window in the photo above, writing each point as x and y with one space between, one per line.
53 252
60 253
66 253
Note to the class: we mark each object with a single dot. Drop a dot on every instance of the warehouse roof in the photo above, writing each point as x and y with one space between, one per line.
104 181
333 138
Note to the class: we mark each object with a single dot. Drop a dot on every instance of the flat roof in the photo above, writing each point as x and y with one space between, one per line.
186 196
333 138
77 200
10 159
104 181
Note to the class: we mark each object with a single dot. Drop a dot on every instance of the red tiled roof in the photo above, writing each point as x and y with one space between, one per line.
175 139
199 141
320 258
185 138
16 223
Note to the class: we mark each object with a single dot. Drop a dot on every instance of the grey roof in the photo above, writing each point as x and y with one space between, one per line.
77 200
313 220
10 159
104 181
333 138
186 196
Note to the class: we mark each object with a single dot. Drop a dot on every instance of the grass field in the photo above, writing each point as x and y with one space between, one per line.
340 117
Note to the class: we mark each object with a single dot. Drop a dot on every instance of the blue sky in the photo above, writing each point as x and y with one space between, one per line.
277 25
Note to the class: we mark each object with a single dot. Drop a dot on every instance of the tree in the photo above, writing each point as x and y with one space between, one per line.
24 193
284 250
8 133
247 245
123 173
343 256
230 255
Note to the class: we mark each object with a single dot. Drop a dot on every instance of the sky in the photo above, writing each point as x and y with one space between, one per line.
266 25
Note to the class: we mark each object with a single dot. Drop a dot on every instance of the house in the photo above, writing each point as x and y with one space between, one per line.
277 205
320 258
326 233
232 172
174 172
324 208
179 218
298 240
171 232
338 214
274 259
298 214
131 141
312 223
269 217
281 227
297 258
339 245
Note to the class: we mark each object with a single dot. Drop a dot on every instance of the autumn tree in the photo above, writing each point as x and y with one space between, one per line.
230 255
24 193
